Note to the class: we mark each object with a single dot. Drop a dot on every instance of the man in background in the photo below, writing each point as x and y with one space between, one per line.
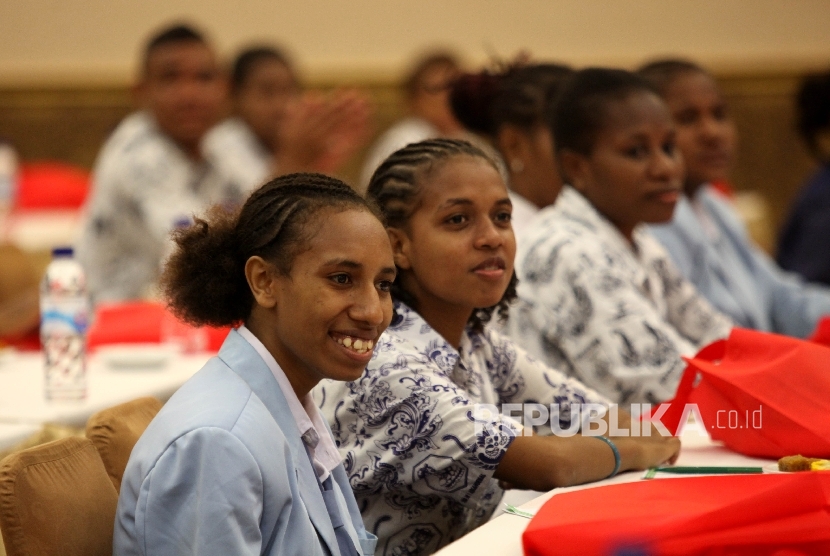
151 175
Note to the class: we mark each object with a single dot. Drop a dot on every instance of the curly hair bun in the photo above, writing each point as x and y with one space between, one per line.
204 279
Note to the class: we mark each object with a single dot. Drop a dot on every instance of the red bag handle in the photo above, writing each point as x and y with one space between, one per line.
674 412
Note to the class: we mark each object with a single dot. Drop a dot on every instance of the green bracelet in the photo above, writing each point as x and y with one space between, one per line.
617 460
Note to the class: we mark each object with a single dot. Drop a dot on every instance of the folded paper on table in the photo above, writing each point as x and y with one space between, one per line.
736 515
138 322
761 394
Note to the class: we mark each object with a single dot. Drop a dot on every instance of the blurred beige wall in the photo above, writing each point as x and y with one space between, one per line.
76 41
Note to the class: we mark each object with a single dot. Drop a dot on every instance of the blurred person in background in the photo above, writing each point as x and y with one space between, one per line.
151 173
706 237
19 273
276 129
427 92
510 108
803 242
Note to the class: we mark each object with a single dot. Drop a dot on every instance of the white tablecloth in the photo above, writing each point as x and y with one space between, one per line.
22 398
502 536
35 230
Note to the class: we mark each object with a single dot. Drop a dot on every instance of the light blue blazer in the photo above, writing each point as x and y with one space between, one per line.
735 275
222 470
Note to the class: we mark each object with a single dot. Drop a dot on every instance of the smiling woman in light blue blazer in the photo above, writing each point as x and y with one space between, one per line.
239 460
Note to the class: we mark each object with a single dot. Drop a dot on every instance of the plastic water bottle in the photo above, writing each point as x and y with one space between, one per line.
64 316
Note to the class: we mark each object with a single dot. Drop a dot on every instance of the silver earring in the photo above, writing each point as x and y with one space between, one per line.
517 166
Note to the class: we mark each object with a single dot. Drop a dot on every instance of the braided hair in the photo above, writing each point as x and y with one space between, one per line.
204 279
396 187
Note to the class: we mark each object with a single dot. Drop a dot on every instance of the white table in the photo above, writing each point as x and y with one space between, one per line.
21 388
502 536
36 230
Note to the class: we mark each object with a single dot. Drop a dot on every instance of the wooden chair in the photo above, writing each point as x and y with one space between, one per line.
57 499
115 431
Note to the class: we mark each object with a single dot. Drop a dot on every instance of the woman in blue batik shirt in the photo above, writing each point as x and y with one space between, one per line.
599 296
425 462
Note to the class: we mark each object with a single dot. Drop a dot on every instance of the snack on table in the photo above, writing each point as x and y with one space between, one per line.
800 463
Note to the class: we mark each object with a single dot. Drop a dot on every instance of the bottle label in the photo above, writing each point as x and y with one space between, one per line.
67 319
65 367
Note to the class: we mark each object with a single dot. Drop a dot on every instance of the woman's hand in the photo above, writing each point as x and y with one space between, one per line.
320 133
642 452
650 446
546 462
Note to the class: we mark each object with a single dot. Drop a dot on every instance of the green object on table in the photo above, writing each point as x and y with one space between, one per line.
510 509
679 470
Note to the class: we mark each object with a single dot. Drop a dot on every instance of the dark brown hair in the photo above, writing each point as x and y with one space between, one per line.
204 280
813 110
581 110
662 73
413 83
396 186
518 96
179 33
247 60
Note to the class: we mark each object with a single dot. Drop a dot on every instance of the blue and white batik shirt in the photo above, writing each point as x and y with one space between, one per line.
616 315
144 185
420 467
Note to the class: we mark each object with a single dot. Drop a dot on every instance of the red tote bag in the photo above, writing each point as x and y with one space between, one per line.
761 394
735 515
821 335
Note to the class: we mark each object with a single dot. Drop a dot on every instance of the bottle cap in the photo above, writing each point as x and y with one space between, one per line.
63 252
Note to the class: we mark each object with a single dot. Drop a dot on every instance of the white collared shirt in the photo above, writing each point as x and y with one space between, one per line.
313 430
233 147
523 213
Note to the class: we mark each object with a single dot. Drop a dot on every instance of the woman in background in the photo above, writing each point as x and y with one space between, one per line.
423 451
599 296
239 460
426 89
706 237
511 110
277 129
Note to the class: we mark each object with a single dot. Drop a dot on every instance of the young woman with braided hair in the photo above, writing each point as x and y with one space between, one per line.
423 455
239 460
